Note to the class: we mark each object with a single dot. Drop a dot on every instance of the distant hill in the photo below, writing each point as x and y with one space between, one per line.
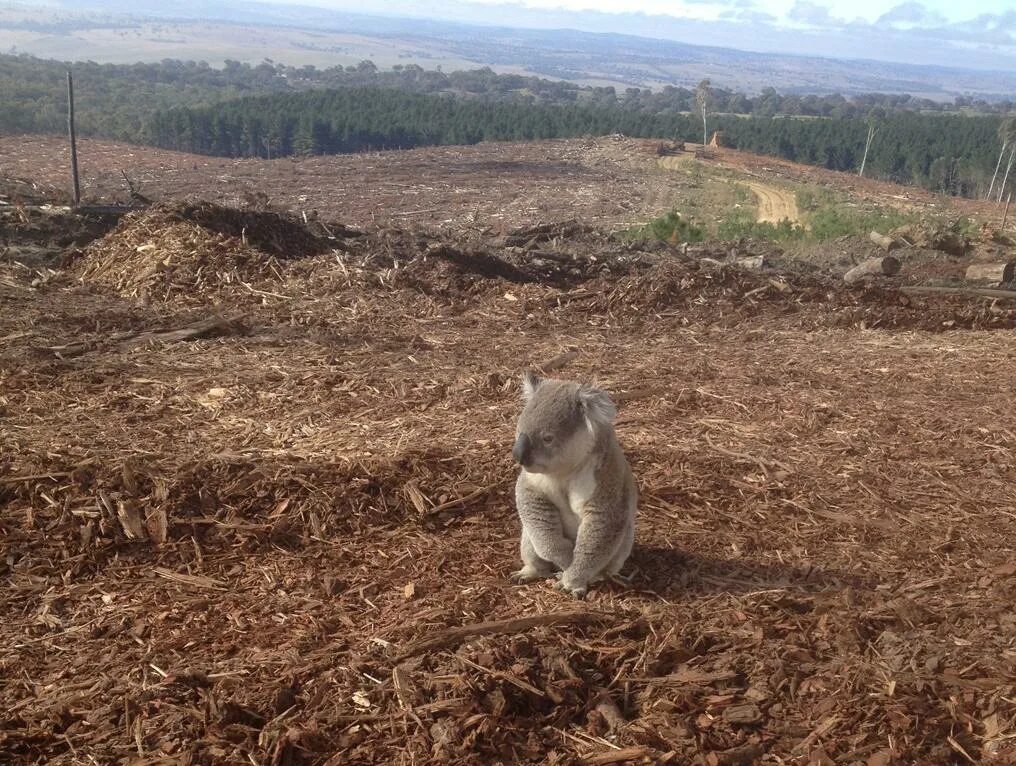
102 32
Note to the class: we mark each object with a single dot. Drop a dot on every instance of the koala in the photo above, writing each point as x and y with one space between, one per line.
576 494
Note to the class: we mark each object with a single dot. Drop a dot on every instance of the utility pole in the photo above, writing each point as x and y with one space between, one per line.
74 143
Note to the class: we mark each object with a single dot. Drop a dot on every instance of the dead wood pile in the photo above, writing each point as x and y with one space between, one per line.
934 236
529 236
175 250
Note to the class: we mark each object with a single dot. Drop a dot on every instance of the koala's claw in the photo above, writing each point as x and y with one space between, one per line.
625 580
578 592
526 574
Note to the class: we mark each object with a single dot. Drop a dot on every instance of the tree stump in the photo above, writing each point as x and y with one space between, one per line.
885 266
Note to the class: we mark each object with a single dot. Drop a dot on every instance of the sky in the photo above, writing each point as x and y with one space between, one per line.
845 10
975 34
899 13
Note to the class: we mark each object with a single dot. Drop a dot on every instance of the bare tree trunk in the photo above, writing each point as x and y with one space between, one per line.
73 138
1005 178
867 146
705 132
998 164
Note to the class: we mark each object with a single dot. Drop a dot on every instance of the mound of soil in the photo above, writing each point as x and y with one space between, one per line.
173 250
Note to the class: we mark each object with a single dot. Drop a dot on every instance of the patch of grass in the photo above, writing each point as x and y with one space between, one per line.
742 224
742 194
840 221
824 214
809 200
669 227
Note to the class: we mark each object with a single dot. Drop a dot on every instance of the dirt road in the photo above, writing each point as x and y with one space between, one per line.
774 204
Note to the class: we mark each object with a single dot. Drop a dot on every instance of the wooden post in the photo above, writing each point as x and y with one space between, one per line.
70 130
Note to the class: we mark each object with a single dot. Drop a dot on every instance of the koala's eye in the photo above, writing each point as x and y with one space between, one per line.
548 438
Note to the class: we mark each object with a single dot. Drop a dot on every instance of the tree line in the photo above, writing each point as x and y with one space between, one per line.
193 107
113 99
358 119
951 153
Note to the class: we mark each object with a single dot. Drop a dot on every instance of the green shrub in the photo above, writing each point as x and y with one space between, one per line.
840 221
743 225
669 227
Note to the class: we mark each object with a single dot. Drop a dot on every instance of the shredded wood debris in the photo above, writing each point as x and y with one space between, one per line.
288 540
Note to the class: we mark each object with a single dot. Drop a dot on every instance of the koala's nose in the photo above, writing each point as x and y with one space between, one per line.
522 449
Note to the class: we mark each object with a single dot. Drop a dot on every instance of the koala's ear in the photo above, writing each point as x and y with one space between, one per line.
530 382
597 405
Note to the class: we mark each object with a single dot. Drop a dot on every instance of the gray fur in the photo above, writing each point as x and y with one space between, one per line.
576 495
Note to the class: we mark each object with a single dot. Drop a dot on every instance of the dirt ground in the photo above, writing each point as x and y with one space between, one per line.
256 501
774 205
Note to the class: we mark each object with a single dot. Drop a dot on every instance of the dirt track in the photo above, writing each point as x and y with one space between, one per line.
229 549
775 204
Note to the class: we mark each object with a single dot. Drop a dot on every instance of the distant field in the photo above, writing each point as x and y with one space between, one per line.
217 43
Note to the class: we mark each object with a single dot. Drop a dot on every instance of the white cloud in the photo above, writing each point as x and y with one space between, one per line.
911 13
814 15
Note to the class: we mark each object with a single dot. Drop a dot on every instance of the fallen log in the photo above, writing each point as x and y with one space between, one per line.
969 291
205 328
990 272
886 243
886 266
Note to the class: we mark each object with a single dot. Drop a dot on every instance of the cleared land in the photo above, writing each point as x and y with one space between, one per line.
284 537
477 187
609 182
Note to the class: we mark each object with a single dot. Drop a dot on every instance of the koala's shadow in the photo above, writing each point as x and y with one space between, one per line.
670 572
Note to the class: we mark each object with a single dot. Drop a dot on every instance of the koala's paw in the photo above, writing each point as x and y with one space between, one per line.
528 574
567 585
